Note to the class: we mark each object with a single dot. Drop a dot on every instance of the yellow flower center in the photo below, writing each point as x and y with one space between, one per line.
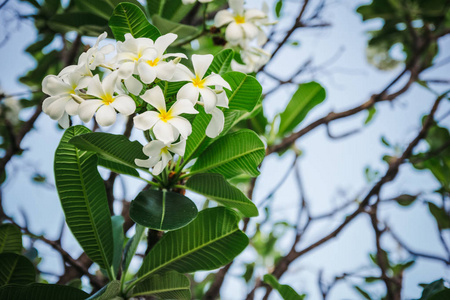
165 116
164 150
198 82
239 19
107 99
153 63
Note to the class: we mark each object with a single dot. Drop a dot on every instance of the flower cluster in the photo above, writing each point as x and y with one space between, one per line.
131 84
244 30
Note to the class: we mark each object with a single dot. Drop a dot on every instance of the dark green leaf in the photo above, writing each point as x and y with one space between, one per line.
245 91
432 289
118 240
286 292
131 247
16 269
108 292
363 292
10 239
129 18
170 285
231 155
83 198
167 26
162 210
212 240
40 291
221 62
83 22
405 199
440 215
278 7
215 187
307 96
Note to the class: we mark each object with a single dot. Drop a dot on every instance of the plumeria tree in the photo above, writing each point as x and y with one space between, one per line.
183 76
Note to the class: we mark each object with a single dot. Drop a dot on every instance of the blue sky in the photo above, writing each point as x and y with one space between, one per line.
332 170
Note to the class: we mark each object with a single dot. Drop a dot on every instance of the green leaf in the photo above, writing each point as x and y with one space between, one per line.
40 291
129 18
16 269
162 210
440 215
83 198
118 240
432 289
371 113
212 240
108 292
234 154
278 7
221 62
362 292
405 199
102 8
116 152
83 22
173 10
442 295
131 247
307 96
215 187
245 91
286 292
167 26
170 285
10 239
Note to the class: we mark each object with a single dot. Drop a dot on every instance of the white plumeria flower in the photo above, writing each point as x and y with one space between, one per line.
243 25
254 58
62 92
128 54
193 1
105 107
159 155
217 121
96 56
152 65
167 125
197 84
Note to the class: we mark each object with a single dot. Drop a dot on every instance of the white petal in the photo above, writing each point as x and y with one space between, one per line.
182 106
109 83
153 148
159 167
95 87
126 69
163 42
201 63
188 91
146 72
107 49
146 120
48 101
251 31
182 55
182 73
155 97
145 163
57 108
165 70
215 79
87 109
223 17
261 38
72 107
124 104
254 14
237 6
164 132
188 1
222 99
234 33
182 125
64 121
133 85
178 148
53 85
100 38
216 124
106 115
209 99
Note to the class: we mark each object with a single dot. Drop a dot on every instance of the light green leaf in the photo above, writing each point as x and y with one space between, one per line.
286 292
245 91
221 62
116 151
41 291
16 269
108 292
371 113
10 239
129 18
162 210
131 247
83 198
212 240
167 26
440 215
118 240
215 187
231 155
307 96
170 285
